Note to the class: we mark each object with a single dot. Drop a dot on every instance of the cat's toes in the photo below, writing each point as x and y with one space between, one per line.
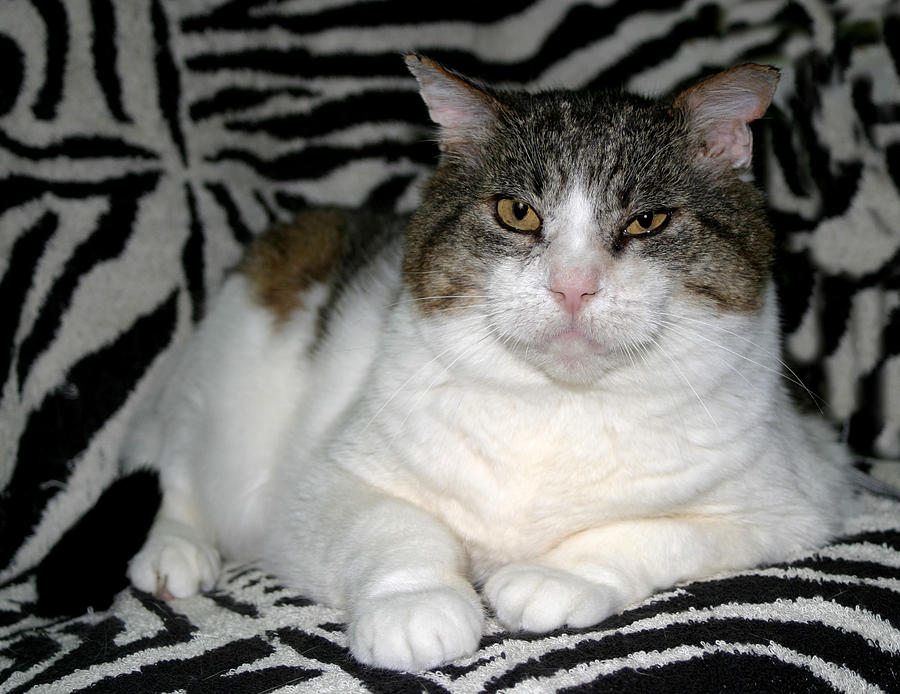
416 630
171 566
531 597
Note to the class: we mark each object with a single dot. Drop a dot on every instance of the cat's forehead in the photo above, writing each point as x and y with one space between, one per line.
604 143
606 119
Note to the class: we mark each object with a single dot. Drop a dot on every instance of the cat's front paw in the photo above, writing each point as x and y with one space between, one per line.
536 598
173 566
417 630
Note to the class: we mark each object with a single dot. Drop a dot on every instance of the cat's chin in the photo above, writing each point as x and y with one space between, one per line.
575 358
574 345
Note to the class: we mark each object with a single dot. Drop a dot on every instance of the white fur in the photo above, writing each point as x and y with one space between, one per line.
569 465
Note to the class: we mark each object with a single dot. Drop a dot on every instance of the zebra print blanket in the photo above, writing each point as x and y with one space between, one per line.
143 143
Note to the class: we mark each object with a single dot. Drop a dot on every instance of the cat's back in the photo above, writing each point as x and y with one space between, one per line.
309 263
341 306
294 327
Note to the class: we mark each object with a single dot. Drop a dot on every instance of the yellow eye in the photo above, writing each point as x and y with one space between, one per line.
517 215
647 223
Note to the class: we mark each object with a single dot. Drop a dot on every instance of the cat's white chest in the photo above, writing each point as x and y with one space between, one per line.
512 476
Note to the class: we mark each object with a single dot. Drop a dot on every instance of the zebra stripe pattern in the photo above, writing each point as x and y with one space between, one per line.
144 143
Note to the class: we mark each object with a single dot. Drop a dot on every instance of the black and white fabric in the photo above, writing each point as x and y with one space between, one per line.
143 143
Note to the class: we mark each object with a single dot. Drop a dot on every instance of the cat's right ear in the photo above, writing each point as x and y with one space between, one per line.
465 111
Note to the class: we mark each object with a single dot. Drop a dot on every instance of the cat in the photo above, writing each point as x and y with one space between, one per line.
558 382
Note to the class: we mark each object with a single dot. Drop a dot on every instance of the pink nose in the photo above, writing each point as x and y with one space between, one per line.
574 290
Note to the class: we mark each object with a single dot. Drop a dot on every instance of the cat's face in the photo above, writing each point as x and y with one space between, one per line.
572 228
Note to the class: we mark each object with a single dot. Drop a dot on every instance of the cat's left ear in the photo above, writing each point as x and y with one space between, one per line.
719 108
465 111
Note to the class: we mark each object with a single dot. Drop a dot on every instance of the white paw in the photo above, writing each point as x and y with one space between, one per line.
531 597
174 566
416 630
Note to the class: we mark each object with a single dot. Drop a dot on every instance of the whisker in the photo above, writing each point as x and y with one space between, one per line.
687 381
791 375
449 366
692 335
403 385
436 297
475 319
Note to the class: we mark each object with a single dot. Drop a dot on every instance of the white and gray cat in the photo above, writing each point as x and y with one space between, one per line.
559 382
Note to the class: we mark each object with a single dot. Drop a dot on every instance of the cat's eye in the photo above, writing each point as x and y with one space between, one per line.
647 223
517 215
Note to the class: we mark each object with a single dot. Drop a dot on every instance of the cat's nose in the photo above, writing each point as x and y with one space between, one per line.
575 289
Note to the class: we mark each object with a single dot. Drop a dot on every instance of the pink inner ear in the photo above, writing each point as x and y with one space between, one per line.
731 141
462 110
719 109
454 116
